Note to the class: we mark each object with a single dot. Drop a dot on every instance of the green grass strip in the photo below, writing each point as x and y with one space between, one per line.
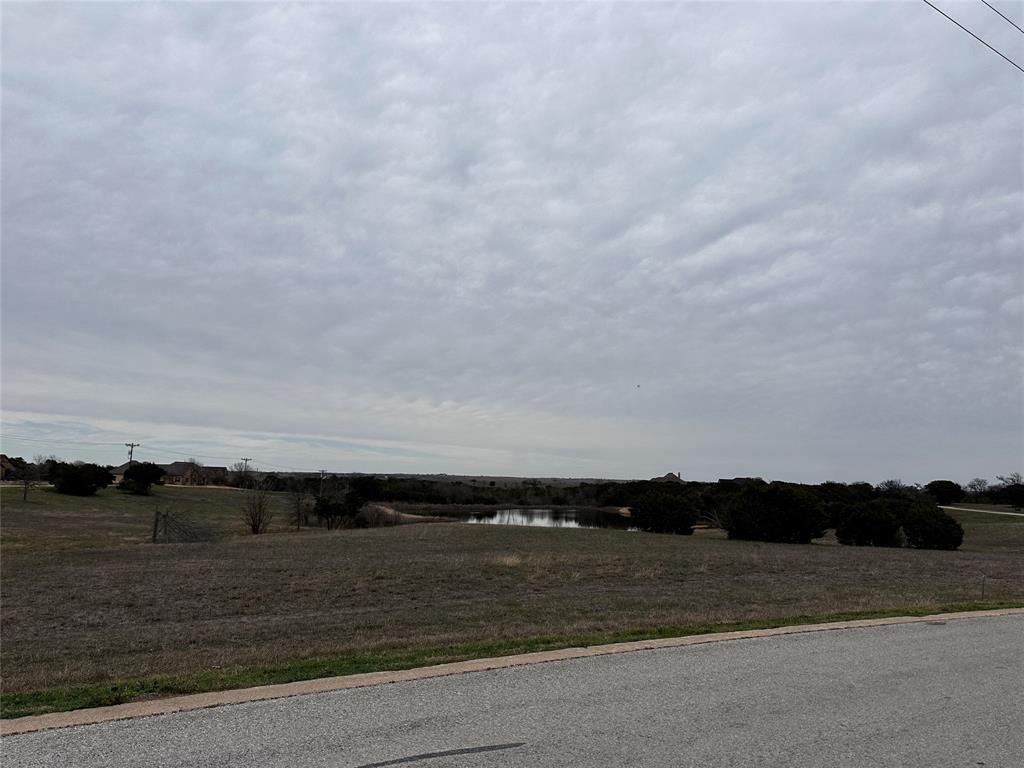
22 703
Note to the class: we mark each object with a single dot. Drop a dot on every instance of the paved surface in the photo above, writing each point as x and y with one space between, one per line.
984 511
168 705
928 694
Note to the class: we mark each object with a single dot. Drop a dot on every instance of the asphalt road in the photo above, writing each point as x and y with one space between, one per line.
984 511
927 694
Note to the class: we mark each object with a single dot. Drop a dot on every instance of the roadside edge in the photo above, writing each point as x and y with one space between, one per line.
164 706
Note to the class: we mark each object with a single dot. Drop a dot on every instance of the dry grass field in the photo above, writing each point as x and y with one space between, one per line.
111 518
88 603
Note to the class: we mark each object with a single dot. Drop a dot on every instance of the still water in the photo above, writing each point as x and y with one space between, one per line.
550 518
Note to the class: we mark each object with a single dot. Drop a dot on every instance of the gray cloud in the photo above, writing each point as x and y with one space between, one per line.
457 238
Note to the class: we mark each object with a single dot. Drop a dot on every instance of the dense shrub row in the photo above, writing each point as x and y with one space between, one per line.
79 479
891 515
928 527
773 512
662 511
887 515
890 522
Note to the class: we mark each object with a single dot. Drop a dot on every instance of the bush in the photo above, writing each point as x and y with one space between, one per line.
374 516
79 479
343 513
945 491
368 488
257 510
838 499
660 512
1012 494
928 527
776 512
873 524
140 477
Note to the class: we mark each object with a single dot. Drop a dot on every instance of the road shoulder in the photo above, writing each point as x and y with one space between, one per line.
323 685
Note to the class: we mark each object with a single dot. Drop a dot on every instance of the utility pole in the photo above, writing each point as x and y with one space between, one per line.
322 473
245 479
131 450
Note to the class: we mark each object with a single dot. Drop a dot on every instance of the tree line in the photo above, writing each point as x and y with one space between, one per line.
889 514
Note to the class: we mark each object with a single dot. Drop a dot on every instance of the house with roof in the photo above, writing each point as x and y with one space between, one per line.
190 473
182 473
7 467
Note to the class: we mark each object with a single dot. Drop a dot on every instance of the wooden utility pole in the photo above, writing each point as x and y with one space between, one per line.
131 450
322 473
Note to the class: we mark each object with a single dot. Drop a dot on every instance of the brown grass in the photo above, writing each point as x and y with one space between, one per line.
87 599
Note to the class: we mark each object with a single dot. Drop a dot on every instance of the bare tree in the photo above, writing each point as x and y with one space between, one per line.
29 477
895 487
298 503
27 484
240 475
257 511
194 475
977 486
1014 478
32 474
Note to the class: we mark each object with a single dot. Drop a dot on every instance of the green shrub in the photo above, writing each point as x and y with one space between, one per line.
1011 494
79 479
872 524
140 477
661 512
776 512
945 491
928 527
341 513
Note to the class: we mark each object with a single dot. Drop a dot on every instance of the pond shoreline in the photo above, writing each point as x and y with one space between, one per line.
460 510
545 516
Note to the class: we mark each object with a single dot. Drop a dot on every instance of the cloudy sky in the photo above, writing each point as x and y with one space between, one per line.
782 240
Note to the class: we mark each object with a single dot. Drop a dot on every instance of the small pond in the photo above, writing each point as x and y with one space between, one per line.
550 518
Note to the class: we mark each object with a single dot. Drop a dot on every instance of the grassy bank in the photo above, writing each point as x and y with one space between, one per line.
92 613
19 704
112 518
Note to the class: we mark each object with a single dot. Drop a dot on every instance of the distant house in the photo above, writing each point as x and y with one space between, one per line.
118 472
190 473
670 477
182 473
7 467
215 475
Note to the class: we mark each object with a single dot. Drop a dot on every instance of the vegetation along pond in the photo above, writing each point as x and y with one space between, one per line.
550 518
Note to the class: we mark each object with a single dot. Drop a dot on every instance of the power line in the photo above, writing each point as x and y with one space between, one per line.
151 450
63 441
193 454
1008 19
60 440
965 29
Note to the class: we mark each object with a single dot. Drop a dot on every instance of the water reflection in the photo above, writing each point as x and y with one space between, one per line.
551 518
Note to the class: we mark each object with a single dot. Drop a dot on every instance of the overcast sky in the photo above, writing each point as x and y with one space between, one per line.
590 240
